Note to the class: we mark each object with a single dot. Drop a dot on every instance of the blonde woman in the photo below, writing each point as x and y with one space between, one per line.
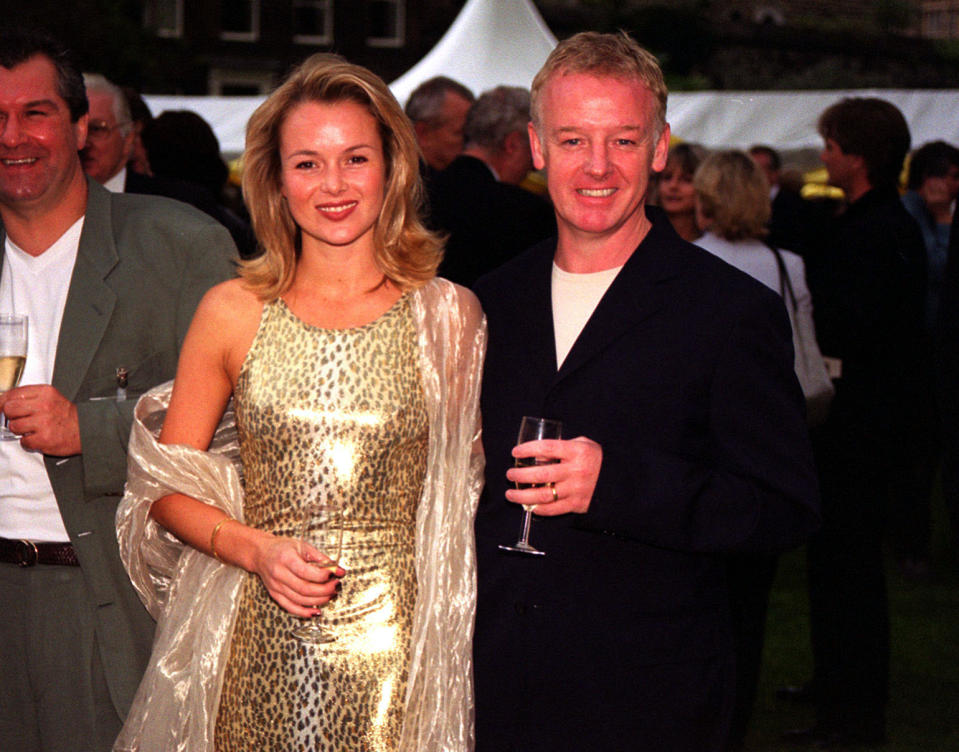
354 373
733 209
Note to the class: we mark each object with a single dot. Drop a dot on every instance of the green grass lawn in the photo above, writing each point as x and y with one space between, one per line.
923 713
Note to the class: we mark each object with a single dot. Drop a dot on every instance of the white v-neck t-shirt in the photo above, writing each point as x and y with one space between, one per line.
36 286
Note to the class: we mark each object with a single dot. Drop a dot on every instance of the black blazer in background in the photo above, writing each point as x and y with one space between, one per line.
619 637
947 336
488 222
786 223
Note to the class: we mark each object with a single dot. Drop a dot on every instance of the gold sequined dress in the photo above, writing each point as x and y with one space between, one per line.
342 413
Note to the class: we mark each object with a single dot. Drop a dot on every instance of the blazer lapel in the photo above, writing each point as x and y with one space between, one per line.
541 340
90 301
535 326
638 293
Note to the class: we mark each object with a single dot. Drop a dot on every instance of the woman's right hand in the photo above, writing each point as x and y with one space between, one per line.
297 585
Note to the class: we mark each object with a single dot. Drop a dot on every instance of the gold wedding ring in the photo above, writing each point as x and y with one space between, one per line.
552 488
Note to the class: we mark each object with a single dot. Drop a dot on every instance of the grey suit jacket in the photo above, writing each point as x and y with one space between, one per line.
143 264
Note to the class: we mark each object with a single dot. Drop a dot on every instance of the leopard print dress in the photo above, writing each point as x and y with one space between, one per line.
338 412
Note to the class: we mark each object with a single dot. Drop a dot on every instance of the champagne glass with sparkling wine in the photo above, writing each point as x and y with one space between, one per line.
13 356
322 528
533 429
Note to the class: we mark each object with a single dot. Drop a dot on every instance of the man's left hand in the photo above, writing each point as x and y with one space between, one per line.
567 484
46 420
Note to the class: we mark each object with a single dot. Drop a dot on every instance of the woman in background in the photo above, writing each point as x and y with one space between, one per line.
355 374
733 209
674 191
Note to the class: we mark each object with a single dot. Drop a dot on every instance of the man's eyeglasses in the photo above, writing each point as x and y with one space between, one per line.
97 130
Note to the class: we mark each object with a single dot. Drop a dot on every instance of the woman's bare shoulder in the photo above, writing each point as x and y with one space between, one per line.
223 328
233 292
227 317
230 302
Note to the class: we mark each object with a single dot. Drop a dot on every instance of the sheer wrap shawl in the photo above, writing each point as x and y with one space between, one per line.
194 596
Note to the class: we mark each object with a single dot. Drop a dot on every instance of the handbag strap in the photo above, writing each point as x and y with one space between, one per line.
785 286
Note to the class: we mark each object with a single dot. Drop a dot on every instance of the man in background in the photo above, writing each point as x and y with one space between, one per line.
932 188
788 210
866 273
110 134
109 282
478 200
437 108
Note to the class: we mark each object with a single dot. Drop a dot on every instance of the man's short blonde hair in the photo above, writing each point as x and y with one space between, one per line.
615 55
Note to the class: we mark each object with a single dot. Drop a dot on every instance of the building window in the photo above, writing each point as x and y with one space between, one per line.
935 24
223 82
386 20
240 20
940 19
165 17
312 21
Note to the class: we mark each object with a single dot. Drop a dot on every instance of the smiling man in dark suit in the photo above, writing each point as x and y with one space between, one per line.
109 282
673 375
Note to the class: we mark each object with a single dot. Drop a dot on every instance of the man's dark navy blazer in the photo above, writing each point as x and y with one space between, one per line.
619 638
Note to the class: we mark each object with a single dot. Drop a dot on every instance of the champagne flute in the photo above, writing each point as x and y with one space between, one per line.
13 356
532 429
322 528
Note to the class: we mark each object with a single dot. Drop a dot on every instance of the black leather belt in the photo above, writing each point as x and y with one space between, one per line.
26 553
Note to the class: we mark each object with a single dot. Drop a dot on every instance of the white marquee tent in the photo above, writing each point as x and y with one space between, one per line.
491 43
787 120
494 42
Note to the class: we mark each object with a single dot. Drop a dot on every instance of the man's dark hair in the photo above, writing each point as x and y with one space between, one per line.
426 102
183 146
873 129
686 156
931 160
18 46
770 153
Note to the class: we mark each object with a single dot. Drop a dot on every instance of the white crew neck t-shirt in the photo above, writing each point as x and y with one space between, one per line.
575 297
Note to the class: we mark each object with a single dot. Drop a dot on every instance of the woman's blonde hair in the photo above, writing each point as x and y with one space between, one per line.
733 193
406 252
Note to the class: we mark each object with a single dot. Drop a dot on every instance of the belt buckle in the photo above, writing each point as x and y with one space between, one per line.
26 553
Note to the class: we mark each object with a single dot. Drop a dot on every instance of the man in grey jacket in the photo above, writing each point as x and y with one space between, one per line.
109 283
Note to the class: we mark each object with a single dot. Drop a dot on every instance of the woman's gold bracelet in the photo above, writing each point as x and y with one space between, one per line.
216 529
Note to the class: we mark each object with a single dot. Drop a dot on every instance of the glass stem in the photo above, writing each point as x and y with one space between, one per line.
527 519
